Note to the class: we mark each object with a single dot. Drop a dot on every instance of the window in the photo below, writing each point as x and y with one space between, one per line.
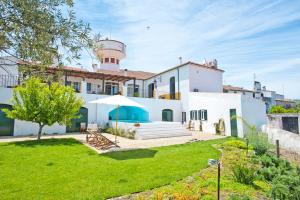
68 83
167 115
150 90
88 87
193 115
111 88
136 89
112 60
101 60
198 115
172 87
117 61
106 60
76 86
202 115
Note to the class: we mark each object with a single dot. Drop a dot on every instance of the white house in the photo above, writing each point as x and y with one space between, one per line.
187 94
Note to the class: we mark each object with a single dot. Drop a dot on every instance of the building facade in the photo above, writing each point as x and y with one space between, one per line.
190 93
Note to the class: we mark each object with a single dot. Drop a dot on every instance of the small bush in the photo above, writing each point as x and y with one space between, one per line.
236 143
259 141
262 185
130 134
245 175
280 191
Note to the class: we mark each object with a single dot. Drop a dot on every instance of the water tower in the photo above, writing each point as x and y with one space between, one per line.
110 53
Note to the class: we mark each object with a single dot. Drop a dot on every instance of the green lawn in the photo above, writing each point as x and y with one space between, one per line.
66 169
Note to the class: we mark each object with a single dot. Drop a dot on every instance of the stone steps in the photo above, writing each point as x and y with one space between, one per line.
161 130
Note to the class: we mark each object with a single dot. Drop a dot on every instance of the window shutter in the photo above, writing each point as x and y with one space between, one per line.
205 114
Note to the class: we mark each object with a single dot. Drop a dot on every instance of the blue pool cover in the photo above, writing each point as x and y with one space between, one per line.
130 114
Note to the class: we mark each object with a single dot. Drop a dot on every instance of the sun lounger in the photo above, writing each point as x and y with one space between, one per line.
99 141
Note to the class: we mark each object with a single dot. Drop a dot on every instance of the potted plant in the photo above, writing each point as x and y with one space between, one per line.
137 124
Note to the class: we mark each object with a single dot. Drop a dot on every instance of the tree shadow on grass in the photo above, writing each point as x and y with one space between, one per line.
132 154
47 142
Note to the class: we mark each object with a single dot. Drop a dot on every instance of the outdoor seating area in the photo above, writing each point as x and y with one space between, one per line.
95 138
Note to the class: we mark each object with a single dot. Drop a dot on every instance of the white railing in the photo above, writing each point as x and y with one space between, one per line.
9 81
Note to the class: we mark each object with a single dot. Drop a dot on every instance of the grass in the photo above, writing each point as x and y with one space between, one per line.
203 185
66 169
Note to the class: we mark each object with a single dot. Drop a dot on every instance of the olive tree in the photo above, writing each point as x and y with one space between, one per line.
44 104
37 34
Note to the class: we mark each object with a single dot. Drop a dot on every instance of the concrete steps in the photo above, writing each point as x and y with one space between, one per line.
161 130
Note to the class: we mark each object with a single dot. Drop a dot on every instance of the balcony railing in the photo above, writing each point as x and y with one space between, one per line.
9 81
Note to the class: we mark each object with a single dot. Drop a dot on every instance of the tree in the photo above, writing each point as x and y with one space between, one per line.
281 109
36 33
44 104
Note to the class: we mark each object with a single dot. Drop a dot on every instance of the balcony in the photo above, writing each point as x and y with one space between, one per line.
175 96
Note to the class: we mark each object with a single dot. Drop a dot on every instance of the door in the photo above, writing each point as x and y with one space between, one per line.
150 90
183 119
290 124
233 123
172 87
75 127
167 115
6 124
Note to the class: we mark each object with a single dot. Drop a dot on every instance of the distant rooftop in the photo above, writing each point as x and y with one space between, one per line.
235 88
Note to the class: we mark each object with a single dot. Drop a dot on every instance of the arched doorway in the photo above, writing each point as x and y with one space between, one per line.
6 124
75 127
167 115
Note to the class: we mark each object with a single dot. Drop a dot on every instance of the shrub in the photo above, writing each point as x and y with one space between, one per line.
130 134
281 109
280 192
236 143
262 185
259 141
245 175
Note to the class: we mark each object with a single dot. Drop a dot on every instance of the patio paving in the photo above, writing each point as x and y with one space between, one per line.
124 143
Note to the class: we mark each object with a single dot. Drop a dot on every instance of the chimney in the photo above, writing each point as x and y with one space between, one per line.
95 67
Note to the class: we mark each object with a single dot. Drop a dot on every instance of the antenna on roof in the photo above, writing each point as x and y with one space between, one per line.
180 60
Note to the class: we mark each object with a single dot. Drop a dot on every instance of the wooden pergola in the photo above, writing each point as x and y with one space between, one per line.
112 76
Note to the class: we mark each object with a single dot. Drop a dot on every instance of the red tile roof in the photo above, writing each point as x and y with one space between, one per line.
234 88
140 75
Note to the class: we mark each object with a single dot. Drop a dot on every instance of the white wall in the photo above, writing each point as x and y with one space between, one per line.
205 80
24 127
287 140
253 112
99 113
11 68
218 107
155 107
96 113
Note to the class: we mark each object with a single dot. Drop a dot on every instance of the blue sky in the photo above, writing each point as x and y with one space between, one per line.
246 37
